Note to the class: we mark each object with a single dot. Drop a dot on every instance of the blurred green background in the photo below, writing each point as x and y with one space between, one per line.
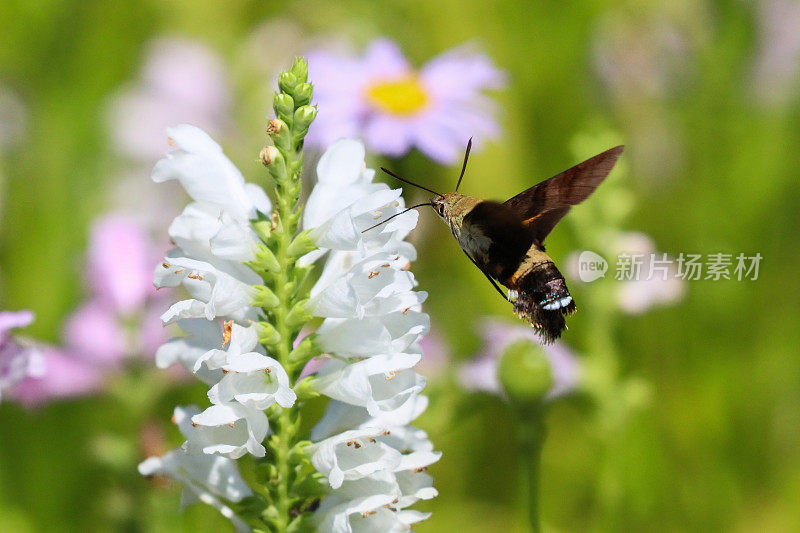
712 139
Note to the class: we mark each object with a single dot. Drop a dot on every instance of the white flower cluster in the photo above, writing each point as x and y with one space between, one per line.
206 478
373 460
212 237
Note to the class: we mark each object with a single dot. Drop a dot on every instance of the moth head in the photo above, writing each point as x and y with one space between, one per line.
439 203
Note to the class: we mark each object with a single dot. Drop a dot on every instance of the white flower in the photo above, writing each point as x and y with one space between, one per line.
208 176
379 383
346 230
230 430
240 340
357 498
390 333
213 234
215 293
345 202
352 455
375 503
375 286
342 179
340 416
204 477
203 336
213 237
254 380
205 231
373 460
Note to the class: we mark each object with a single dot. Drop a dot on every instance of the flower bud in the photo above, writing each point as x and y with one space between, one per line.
265 260
287 82
303 94
278 131
300 69
268 155
305 389
305 351
524 372
303 118
283 104
265 297
263 229
267 334
301 245
298 315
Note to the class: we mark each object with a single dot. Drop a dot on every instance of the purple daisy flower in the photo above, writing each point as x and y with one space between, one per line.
393 107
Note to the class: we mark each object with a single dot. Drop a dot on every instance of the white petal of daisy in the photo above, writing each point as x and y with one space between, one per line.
206 174
352 455
230 430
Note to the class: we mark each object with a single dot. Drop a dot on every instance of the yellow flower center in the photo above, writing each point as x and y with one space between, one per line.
402 96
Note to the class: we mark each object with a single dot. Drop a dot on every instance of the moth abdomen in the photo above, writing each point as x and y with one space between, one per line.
543 299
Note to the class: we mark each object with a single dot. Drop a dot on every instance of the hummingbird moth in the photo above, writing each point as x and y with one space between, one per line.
506 240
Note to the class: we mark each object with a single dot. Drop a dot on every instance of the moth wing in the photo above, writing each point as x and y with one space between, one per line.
496 238
542 206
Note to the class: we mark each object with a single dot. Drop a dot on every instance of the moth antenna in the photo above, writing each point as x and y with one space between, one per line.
464 166
395 176
396 215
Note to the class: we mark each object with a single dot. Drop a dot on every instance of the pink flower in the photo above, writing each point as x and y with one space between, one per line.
121 262
380 98
182 82
480 374
18 359
121 316
638 295
119 320
435 354
64 376
777 67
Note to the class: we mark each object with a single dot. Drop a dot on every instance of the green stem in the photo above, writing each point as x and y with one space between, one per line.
286 435
276 263
530 441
